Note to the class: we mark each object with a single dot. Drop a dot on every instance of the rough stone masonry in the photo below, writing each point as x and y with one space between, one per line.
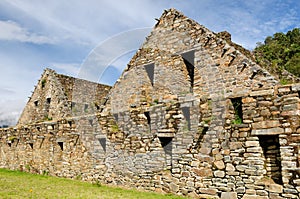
192 115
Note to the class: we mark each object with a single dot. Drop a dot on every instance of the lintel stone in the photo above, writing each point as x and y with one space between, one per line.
271 131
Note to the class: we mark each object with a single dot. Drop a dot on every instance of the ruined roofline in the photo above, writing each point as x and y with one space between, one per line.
71 77
224 36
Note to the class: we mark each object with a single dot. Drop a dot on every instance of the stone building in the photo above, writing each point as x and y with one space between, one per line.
192 114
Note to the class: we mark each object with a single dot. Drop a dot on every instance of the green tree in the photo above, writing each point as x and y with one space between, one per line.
280 51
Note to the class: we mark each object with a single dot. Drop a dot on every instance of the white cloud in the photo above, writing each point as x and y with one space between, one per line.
14 32
70 69
10 111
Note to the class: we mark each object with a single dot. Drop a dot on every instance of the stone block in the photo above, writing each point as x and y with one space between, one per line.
247 196
173 187
296 87
229 167
274 188
290 196
262 92
207 196
235 145
219 174
252 144
275 196
229 195
240 190
219 164
266 124
203 172
210 191
270 131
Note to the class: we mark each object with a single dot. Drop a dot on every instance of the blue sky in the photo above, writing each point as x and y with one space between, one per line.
61 34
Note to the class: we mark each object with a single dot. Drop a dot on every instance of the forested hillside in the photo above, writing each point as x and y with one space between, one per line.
280 52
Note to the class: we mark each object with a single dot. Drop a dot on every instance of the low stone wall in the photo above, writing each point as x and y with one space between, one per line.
173 146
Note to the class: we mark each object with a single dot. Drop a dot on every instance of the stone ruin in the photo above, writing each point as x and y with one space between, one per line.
191 115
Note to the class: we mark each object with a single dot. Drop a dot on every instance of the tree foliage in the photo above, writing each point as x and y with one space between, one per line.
280 51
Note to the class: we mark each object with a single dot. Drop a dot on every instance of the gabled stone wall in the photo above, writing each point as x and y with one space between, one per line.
191 115
58 96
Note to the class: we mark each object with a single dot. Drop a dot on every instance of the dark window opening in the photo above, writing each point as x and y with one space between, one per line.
150 72
188 59
73 104
91 122
70 123
49 100
200 138
86 106
61 145
31 145
299 93
253 74
271 150
238 110
232 58
41 144
207 41
116 116
186 113
166 143
102 142
9 144
38 128
224 51
43 83
147 114
244 66
36 103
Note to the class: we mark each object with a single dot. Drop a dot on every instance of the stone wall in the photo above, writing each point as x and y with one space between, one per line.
59 96
168 147
190 115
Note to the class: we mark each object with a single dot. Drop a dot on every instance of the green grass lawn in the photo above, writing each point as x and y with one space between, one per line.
15 184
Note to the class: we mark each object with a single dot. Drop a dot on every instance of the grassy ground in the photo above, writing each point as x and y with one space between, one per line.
15 184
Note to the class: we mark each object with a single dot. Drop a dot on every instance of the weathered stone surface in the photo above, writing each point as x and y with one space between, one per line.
252 143
266 124
246 196
229 195
219 164
174 187
275 188
229 167
262 92
210 191
271 131
219 174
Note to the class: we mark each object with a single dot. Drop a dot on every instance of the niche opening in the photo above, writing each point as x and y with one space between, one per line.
147 114
188 58
187 116
238 110
102 142
271 150
150 72
61 145
166 143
